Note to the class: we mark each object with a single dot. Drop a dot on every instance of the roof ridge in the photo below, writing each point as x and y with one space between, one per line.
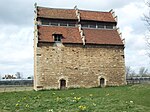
54 8
94 11
74 9
71 14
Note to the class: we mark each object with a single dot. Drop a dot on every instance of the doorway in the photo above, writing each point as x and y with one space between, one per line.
102 82
62 84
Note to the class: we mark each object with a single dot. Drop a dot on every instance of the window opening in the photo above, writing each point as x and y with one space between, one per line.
100 26
84 25
92 26
71 24
45 23
54 24
63 24
57 37
109 26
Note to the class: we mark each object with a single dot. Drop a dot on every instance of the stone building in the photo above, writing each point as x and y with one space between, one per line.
77 48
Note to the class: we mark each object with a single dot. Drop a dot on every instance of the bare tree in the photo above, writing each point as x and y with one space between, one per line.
143 71
147 20
18 75
147 16
132 73
128 71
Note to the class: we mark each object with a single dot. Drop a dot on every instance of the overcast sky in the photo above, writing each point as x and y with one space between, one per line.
16 30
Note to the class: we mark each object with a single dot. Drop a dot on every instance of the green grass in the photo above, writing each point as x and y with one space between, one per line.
134 98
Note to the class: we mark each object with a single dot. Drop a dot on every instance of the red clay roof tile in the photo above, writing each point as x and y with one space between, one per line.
71 35
101 36
71 14
96 16
56 13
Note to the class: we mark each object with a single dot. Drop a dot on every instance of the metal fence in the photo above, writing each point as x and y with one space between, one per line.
6 88
11 85
27 82
138 80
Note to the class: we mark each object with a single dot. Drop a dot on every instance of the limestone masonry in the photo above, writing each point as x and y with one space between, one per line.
77 48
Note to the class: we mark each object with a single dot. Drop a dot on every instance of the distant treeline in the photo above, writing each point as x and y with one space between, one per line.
16 82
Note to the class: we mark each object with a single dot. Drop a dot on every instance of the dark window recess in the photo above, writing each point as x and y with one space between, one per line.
109 26
85 26
122 56
71 24
92 26
54 24
63 24
57 37
38 54
45 23
100 26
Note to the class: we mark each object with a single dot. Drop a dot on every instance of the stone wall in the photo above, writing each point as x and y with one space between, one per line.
79 66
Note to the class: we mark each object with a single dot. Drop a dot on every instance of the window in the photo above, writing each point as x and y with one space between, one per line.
54 24
57 37
45 23
92 26
71 24
84 25
63 24
100 26
109 26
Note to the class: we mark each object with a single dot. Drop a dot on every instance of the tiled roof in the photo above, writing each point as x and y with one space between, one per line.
71 35
96 16
99 36
71 14
56 13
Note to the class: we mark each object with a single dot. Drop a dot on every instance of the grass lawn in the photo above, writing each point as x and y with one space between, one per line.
134 98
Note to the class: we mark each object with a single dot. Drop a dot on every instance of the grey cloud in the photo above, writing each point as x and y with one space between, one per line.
87 4
26 69
16 49
110 4
21 12
18 12
135 60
